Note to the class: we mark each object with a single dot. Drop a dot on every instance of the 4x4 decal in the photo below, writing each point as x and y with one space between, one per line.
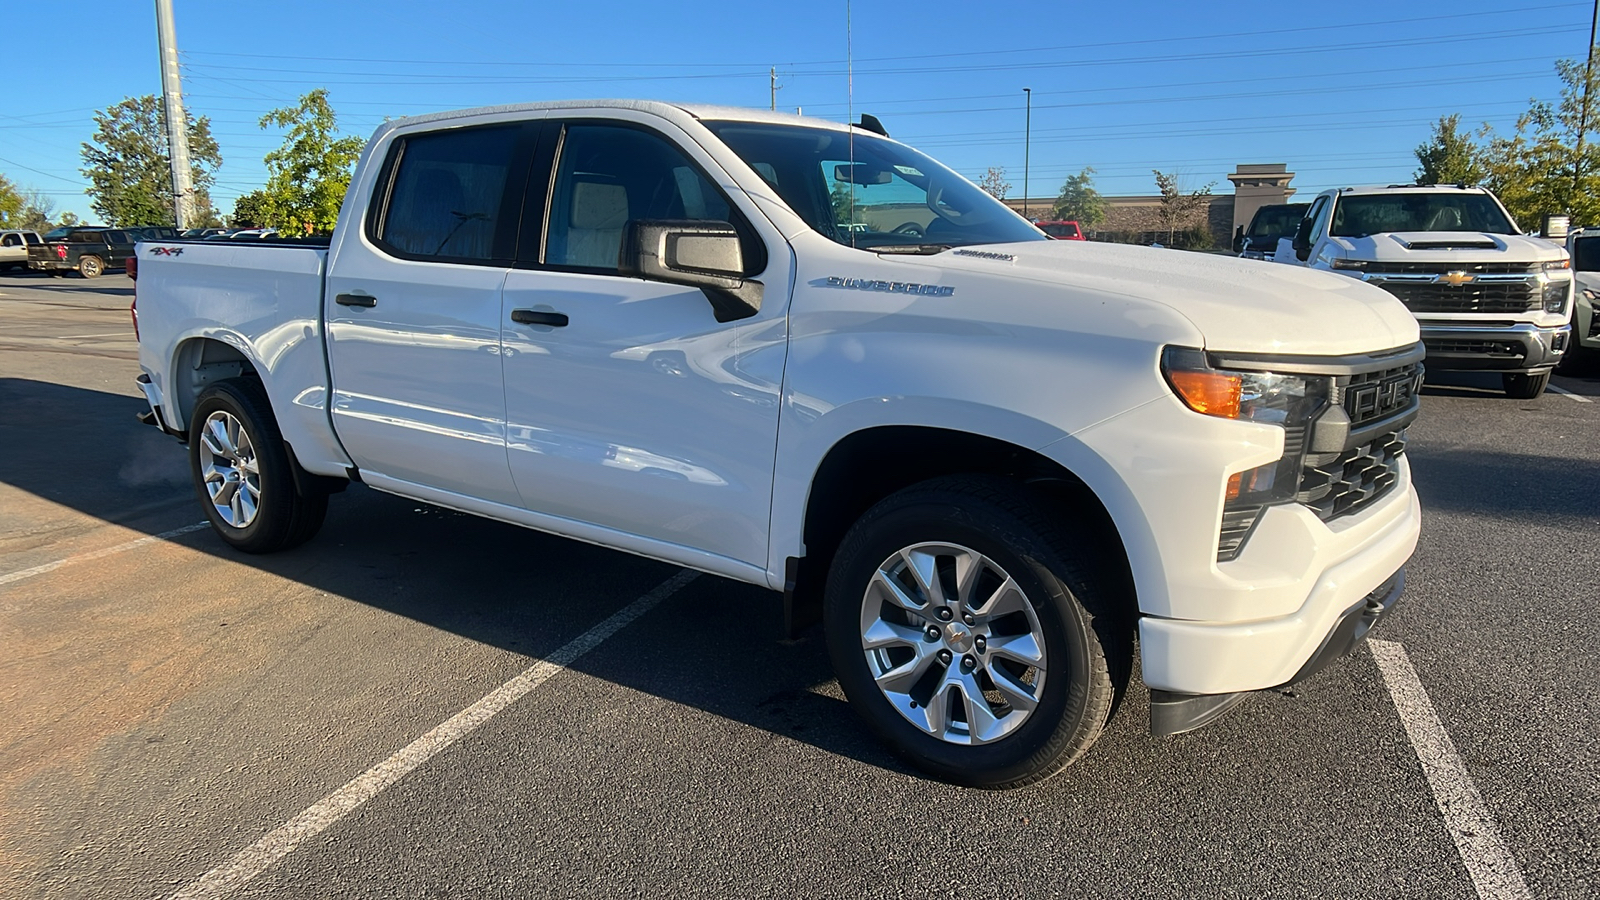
166 251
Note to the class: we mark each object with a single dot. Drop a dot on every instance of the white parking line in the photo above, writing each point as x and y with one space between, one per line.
258 857
97 554
1493 869
1566 393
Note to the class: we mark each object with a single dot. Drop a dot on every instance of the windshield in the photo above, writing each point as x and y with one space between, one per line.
56 234
1363 215
1272 221
876 195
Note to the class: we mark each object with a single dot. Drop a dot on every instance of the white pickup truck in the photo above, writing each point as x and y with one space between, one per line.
1489 299
801 355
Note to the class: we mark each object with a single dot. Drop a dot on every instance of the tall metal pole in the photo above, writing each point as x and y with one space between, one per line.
774 74
177 122
1583 115
1027 147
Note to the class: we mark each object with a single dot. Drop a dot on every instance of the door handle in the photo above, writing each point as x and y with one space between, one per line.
356 300
539 317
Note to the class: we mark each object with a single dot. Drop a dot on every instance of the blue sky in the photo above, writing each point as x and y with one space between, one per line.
1188 87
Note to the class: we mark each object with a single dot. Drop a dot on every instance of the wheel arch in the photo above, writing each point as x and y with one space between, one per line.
863 467
199 361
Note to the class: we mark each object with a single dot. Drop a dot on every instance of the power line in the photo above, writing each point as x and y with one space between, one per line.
1233 35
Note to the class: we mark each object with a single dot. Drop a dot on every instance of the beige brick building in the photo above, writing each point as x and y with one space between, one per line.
1136 219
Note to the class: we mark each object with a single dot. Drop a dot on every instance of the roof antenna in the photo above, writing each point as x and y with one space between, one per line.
871 123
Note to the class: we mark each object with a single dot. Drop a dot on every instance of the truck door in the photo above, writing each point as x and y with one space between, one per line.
628 404
413 312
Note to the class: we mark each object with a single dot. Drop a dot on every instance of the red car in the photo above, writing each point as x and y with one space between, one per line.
1062 231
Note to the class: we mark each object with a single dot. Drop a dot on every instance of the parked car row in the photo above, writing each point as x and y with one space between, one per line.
93 250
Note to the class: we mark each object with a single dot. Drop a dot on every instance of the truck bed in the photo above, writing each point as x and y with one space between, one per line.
261 300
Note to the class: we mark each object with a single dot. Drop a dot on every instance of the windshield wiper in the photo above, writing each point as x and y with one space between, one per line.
913 249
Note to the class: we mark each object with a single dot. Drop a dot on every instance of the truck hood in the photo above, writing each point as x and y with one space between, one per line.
1238 305
1446 247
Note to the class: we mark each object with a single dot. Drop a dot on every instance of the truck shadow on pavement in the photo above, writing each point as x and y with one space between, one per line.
716 646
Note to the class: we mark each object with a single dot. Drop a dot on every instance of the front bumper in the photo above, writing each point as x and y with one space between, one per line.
1521 347
1227 657
1175 713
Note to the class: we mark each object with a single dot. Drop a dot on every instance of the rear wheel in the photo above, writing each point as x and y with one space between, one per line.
91 267
243 474
1524 387
973 633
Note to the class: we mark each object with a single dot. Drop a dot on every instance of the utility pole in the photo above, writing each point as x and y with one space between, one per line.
1027 147
1583 115
177 122
774 75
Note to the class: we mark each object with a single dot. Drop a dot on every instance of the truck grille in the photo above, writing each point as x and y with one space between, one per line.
1371 396
1457 347
1338 484
1498 268
1489 297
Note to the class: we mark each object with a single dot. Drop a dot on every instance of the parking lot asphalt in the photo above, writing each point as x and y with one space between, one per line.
171 703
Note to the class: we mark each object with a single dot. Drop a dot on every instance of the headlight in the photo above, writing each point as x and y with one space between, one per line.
1560 265
1347 263
1555 296
1272 399
1289 401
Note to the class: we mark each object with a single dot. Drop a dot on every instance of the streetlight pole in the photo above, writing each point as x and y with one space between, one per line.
1027 147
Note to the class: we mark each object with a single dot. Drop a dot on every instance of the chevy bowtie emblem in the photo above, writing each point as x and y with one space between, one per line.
1456 279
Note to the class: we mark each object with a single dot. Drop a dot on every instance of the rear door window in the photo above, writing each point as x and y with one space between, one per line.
448 196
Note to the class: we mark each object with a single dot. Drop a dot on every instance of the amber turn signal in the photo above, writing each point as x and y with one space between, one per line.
1211 392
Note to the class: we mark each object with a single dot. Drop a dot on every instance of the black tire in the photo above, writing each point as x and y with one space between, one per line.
284 517
1524 387
1087 641
91 267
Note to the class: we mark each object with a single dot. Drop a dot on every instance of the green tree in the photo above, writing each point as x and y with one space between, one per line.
249 211
11 204
1179 210
68 219
1080 202
130 171
1550 163
846 208
308 175
1449 156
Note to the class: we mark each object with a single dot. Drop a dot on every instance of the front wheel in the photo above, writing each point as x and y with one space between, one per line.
243 474
1524 387
972 632
91 267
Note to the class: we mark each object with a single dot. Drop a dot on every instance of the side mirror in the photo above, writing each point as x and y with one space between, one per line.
1238 239
1302 240
695 253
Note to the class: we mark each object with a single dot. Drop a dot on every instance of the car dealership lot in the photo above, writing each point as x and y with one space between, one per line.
172 702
